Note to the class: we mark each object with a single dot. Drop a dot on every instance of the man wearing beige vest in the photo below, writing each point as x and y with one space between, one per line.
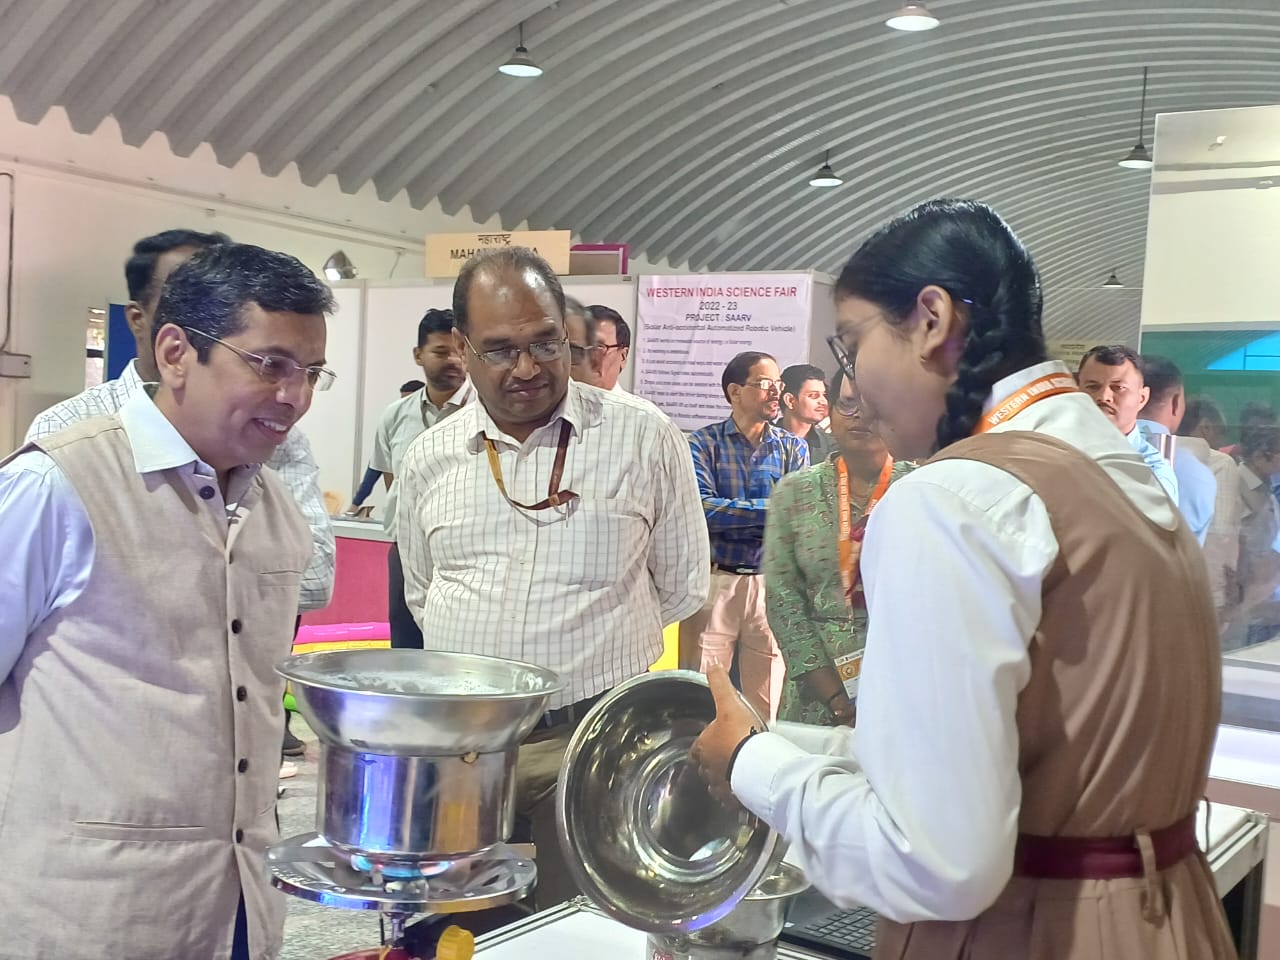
150 577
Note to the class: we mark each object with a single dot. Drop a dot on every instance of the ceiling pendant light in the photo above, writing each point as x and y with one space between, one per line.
521 64
913 18
825 177
1113 282
339 267
1139 158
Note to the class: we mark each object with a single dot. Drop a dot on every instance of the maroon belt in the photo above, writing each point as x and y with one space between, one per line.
1103 858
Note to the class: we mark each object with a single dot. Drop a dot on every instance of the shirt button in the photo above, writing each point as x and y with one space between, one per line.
242 694
239 836
206 493
235 626
243 765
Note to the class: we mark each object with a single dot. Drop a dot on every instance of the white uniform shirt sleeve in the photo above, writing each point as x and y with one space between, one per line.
381 459
953 581
48 549
679 547
297 467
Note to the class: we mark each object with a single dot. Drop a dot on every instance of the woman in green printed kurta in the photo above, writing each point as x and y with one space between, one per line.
821 626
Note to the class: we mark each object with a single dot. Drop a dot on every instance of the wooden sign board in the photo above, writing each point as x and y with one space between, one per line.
1069 352
447 252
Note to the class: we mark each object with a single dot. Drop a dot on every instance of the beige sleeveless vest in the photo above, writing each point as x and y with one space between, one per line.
1116 727
140 729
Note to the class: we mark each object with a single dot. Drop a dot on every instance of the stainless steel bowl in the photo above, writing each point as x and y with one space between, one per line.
418 702
642 835
750 931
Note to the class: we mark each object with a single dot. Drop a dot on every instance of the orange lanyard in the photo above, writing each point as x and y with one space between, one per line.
1047 386
850 542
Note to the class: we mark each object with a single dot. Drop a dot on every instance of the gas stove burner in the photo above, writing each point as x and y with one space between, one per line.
415 868
307 867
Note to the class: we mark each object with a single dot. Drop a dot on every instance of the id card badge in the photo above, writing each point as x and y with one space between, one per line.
849 667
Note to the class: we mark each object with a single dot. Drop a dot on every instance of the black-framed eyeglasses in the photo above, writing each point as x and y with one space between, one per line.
842 355
847 406
764 384
276 369
578 354
505 358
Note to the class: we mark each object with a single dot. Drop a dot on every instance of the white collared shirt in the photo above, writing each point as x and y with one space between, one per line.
292 460
582 589
916 813
48 540
401 423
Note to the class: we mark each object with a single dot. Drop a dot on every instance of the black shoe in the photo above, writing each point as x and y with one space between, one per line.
292 746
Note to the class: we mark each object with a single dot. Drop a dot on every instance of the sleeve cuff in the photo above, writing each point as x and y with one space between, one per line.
759 761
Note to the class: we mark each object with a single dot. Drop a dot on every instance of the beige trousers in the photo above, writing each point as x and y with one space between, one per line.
733 618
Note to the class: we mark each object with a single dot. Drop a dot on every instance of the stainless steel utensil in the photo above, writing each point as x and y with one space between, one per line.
643 837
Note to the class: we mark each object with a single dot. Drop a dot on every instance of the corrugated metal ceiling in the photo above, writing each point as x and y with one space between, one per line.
688 129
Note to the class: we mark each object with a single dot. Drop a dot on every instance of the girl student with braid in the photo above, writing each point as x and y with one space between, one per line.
1040 688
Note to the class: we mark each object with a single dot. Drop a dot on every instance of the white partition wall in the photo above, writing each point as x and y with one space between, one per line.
333 420
392 311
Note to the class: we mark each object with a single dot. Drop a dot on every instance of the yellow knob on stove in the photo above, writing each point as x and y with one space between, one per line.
455 944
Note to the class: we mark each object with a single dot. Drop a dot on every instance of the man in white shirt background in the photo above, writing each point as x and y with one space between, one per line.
1160 418
446 390
530 526
1200 433
150 576
149 265
1113 377
612 338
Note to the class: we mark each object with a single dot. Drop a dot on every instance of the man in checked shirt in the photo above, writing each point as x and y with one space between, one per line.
551 522
738 461
151 262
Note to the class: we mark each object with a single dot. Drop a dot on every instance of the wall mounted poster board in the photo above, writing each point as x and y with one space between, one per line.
690 327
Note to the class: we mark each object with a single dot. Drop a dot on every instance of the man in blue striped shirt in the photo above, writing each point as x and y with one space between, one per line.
737 462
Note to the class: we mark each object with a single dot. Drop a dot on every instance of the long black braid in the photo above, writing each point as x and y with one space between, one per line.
966 248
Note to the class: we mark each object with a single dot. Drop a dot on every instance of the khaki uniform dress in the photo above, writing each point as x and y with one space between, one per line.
1116 728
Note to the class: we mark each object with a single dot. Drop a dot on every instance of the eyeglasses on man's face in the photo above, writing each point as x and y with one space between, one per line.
505 358
578 354
765 385
276 369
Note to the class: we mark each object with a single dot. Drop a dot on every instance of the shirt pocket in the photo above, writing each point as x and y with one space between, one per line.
137 832
279 580
603 541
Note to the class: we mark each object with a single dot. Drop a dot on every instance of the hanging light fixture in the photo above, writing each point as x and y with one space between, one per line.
339 267
1139 158
913 18
521 64
825 177
1112 282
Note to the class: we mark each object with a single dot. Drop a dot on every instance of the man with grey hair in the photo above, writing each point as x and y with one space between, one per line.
529 528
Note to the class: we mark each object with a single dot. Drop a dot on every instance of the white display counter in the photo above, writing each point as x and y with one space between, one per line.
1234 840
